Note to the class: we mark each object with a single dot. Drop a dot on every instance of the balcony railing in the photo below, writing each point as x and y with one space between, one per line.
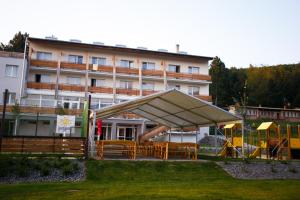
106 90
43 63
159 73
148 92
76 66
189 76
43 110
102 68
204 97
41 86
78 88
130 92
124 70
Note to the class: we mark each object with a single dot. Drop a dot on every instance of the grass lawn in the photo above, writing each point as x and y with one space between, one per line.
154 180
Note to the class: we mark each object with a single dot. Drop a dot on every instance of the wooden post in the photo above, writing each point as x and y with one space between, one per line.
167 151
288 127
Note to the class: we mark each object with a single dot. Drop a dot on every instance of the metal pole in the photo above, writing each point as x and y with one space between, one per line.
37 121
243 151
87 131
216 140
3 117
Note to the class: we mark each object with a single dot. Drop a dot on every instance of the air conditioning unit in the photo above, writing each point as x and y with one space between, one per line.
95 67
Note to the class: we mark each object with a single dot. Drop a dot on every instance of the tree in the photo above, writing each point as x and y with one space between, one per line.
220 83
17 44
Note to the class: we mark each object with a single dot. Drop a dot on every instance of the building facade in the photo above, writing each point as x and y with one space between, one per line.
61 74
284 114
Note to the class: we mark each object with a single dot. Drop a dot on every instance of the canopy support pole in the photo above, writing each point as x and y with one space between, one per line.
243 150
216 140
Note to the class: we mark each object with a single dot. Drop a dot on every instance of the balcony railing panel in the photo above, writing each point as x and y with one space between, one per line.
159 73
148 92
189 76
204 97
129 92
124 70
43 63
41 86
42 110
106 90
76 66
78 88
101 68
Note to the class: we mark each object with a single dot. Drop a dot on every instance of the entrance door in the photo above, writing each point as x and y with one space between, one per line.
126 133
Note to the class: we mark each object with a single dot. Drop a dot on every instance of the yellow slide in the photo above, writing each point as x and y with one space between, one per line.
255 153
222 153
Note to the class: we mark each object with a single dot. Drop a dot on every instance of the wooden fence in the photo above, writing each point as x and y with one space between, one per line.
116 149
69 146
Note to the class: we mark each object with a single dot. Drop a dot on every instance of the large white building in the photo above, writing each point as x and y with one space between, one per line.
61 74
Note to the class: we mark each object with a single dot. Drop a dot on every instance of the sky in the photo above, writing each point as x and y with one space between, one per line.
240 32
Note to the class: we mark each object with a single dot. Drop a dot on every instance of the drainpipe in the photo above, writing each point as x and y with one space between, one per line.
24 68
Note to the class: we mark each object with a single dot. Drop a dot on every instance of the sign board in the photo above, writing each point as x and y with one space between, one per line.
65 123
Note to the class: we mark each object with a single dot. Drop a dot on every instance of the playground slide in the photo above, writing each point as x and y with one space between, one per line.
223 151
153 133
255 153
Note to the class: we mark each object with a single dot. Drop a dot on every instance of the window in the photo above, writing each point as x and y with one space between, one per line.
147 86
194 90
193 70
148 66
98 61
172 86
126 85
75 59
126 63
174 68
73 80
43 55
11 98
97 82
11 70
42 78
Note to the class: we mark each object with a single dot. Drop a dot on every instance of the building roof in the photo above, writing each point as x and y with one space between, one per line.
11 54
119 48
172 108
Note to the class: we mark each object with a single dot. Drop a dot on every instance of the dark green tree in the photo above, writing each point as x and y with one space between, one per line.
17 44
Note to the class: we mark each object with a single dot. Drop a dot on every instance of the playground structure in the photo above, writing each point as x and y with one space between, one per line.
159 150
274 142
233 140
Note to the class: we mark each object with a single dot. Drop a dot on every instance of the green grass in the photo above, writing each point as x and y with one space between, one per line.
154 180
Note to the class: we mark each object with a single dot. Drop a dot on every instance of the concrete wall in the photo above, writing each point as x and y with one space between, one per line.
13 84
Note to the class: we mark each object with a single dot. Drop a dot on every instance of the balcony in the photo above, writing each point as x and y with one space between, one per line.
148 92
41 86
43 110
189 76
77 88
43 63
106 90
159 73
124 70
76 66
102 68
129 92
204 97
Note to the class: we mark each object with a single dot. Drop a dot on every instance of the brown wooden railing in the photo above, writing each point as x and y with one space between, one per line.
148 92
43 63
70 146
78 88
124 70
106 90
67 65
43 86
128 91
43 110
189 76
159 73
102 68
203 97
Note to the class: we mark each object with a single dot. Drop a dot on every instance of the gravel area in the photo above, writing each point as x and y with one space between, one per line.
55 175
262 169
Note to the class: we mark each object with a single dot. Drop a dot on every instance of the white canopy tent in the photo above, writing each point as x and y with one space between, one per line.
173 109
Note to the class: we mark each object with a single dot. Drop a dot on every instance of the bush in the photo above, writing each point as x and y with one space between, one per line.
45 171
67 170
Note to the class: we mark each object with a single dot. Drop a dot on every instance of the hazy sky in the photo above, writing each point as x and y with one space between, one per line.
240 32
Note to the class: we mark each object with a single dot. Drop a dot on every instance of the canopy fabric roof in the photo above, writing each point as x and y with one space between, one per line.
173 109
266 125
229 126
